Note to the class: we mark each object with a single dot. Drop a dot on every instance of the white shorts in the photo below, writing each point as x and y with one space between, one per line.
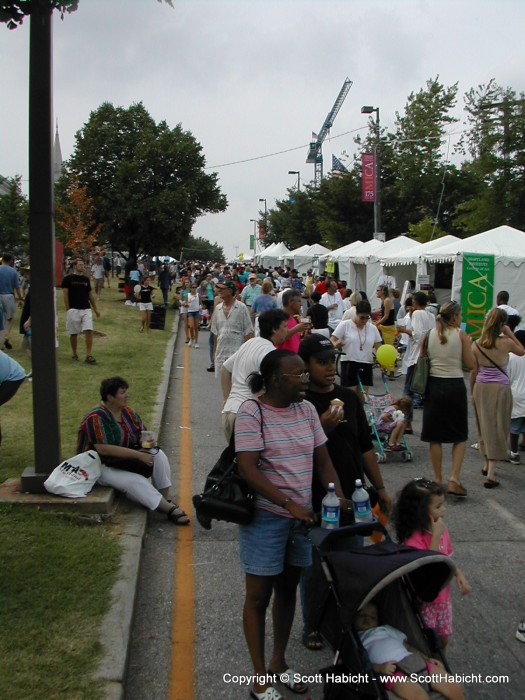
79 321
146 307
8 303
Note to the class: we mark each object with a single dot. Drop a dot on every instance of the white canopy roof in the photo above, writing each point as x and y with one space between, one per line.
360 255
344 251
278 250
297 251
507 244
412 255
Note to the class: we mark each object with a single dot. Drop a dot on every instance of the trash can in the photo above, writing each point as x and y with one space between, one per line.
158 317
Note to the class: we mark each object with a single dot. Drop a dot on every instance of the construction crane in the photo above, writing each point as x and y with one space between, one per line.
315 152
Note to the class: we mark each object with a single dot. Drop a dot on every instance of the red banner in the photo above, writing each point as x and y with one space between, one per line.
261 230
368 165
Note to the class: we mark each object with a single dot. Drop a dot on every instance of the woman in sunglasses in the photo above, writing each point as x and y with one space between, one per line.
279 442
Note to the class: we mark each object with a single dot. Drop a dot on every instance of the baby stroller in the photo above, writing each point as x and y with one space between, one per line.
375 405
395 577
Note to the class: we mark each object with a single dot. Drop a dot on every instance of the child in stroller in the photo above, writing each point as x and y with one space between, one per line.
393 421
389 652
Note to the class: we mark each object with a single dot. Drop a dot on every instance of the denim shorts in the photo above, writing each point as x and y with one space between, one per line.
517 426
271 541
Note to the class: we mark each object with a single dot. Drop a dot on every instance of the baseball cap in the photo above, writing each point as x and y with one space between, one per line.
252 276
228 285
316 345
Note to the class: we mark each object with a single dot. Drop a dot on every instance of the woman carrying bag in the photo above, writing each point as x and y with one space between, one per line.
279 441
445 412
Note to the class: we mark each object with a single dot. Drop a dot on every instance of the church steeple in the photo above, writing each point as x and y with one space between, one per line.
57 159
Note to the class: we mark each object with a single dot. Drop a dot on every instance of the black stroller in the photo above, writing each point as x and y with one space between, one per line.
396 577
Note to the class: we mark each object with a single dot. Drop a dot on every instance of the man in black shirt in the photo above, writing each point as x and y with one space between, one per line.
79 300
349 445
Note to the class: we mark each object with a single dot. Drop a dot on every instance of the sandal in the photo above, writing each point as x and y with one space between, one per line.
313 641
455 489
485 471
75 357
269 694
177 516
90 360
287 679
490 483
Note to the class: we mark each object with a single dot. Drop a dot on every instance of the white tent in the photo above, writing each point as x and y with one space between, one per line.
271 256
264 251
374 274
407 264
352 263
507 244
307 257
339 254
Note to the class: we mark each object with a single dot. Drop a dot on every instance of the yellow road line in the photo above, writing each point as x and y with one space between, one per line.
183 620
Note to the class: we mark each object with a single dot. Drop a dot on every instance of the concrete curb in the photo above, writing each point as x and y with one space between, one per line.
115 630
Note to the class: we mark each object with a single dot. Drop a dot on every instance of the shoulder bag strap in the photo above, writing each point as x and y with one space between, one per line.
490 360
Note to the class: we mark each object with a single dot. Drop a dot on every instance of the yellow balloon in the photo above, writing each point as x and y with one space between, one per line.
386 355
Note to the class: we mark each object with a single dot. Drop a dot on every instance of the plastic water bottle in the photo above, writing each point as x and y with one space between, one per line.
330 509
361 503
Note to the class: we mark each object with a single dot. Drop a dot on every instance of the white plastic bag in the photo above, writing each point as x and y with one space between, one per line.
75 477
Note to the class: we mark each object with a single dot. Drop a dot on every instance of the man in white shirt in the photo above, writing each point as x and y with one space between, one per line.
422 321
333 302
273 326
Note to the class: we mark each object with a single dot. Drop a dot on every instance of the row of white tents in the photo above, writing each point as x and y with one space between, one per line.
364 265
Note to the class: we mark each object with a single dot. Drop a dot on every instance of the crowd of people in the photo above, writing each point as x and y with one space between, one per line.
275 339
284 348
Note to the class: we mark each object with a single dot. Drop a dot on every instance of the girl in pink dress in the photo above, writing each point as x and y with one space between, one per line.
419 523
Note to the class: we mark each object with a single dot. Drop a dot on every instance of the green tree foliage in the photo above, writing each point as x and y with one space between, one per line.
293 222
12 12
14 212
415 173
146 181
201 249
495 143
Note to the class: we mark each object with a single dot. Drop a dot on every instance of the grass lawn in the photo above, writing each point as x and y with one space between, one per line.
57 571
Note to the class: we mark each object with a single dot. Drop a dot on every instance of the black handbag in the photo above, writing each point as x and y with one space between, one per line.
128 464
226 496
418 384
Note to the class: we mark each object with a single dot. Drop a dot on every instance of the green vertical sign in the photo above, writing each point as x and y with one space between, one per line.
252 239
477 291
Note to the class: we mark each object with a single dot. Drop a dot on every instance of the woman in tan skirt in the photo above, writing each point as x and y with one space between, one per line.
491 390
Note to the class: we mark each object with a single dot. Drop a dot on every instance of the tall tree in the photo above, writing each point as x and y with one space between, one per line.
14 211
418 157
147 181
495 143
201 249
76 225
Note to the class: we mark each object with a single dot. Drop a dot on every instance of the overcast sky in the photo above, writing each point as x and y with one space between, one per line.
250 78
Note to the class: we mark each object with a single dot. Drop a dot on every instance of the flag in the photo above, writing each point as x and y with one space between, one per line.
338 169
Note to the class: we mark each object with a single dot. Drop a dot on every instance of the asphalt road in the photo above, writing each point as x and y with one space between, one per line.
487 531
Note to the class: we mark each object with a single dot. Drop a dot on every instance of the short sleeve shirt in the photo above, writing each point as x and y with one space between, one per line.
286 439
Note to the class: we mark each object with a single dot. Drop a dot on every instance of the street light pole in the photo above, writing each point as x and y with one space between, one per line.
367 109
298 173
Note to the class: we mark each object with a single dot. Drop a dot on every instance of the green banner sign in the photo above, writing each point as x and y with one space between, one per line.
252 239
477 291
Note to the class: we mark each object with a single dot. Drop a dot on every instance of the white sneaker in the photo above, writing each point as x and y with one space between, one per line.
520 632
514 457
196 345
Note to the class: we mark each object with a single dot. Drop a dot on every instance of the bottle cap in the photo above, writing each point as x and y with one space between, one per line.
358 483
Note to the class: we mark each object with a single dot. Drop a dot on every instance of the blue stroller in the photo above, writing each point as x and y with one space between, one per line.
375 405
